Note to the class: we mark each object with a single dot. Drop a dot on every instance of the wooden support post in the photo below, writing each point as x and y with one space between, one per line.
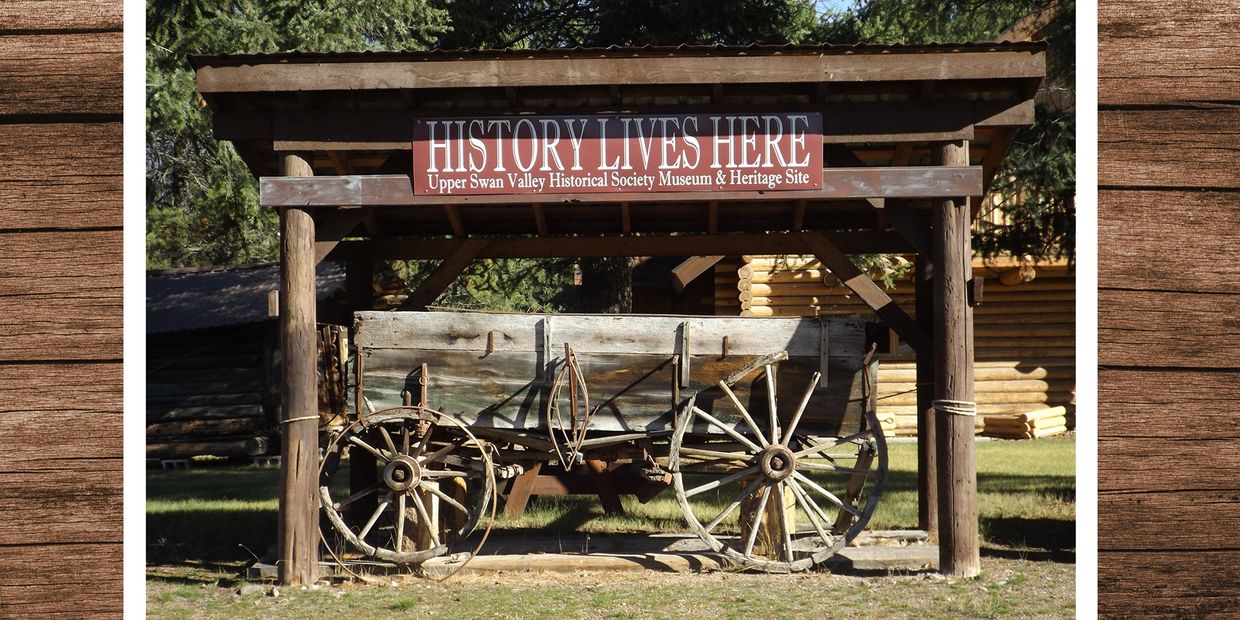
299 464
605 487
522 488
363 466
953 377
927 472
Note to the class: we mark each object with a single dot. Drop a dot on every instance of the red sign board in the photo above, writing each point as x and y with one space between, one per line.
617 153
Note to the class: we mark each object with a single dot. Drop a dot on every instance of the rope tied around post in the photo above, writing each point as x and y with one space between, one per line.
305 417
955 407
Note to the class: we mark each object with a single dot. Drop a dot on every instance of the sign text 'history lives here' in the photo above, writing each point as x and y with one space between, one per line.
617 153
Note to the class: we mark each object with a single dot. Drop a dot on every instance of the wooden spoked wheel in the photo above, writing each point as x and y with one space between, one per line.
773 499
434 483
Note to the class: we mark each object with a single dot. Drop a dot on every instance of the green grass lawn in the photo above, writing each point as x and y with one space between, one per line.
228 514
204 524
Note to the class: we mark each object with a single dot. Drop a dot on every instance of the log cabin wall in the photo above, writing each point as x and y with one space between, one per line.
60 372
212 392
213 353
1024 335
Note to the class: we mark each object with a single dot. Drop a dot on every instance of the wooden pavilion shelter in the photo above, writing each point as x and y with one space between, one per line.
910 135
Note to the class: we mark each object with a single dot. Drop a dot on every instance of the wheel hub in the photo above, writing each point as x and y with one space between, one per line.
777 462
402 473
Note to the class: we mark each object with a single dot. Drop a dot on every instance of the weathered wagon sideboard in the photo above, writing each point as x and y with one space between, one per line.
461 155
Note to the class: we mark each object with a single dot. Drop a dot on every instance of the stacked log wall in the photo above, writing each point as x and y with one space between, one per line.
209 391
1025 329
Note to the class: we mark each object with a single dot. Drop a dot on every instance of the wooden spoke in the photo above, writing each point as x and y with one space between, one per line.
740 497
838 442
785 531
827 494
425 517
375 517
727 429
404 440
438 454
426 441
770 403
806 464
440 474
400 521
714 484
757 522
444 497
715 454
822 514
357 441
356 496
812 513
809 392
736 402
387 440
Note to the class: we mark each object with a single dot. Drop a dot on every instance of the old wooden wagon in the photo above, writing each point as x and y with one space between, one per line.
764 429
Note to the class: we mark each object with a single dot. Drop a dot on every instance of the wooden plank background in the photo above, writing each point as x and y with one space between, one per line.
1168 308
60 308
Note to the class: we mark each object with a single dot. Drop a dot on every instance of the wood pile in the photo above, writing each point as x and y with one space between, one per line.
1025 335
1030 425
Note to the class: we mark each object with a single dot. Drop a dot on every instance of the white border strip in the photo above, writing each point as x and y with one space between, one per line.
1087 309
135 308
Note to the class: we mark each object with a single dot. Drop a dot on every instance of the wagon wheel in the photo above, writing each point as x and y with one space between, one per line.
446 463
776 477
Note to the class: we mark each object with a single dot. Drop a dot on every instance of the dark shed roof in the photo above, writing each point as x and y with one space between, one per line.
184 299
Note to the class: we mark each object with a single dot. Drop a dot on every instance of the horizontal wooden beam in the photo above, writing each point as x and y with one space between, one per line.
838 184
279 75
843 123
628 245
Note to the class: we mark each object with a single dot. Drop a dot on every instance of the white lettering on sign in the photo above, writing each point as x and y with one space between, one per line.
617 153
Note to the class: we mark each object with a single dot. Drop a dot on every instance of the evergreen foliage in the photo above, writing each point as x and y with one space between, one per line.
202 202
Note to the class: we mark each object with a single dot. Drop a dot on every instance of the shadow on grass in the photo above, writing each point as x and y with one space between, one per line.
201 514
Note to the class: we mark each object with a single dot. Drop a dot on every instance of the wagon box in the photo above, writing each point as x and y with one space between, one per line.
497 370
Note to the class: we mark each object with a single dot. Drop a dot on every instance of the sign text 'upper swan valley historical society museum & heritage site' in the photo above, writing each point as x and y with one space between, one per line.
617 153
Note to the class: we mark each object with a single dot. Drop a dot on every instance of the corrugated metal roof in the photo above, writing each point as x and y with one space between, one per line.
183 299
614 51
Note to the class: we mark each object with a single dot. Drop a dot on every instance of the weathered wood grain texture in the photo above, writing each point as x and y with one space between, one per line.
1187 404
53 581
1153 52
1168 452
1168 584
1190 147
1142 225
1184 329
60 295
59 15
48 74
60 490
63 175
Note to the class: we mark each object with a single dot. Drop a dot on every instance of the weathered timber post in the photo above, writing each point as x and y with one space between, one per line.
953 376
927 464
299 506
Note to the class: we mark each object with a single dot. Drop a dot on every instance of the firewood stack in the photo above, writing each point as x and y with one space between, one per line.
1030 425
